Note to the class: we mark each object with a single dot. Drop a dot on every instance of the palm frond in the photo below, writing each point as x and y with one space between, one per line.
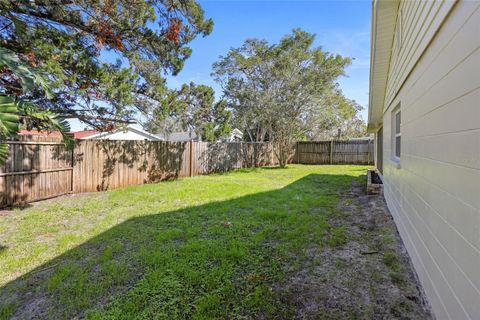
9 119
25 72
9 124
3 152
46 120
13 109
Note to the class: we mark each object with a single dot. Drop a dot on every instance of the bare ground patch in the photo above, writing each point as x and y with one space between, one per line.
363 273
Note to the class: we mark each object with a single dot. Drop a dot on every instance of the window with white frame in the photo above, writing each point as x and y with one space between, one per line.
396 133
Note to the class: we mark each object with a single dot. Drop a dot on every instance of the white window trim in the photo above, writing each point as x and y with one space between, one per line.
396 135
394 157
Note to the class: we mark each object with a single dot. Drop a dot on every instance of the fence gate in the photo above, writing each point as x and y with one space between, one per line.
36 169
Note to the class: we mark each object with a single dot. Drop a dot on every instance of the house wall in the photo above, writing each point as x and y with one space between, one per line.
434 192
379 150
123 135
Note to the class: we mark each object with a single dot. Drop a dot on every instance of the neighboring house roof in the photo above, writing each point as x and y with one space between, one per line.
84 134
128 133
383 29
57 134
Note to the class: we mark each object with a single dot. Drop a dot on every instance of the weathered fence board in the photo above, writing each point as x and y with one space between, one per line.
101 164
35 170
222 157
335 152
40 168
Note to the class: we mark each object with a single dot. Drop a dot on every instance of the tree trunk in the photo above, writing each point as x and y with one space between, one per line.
282 155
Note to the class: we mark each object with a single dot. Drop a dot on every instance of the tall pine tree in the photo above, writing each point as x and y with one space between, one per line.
56 59
73 42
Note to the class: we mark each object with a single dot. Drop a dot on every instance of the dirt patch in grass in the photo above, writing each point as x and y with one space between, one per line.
364 272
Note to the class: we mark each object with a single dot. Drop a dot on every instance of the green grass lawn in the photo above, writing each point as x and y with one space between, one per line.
215 246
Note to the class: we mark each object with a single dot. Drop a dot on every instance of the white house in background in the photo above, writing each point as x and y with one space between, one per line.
181 136
129 133
235 136
424 109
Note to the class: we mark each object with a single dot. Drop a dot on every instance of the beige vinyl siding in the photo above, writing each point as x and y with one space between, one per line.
420 20
434 195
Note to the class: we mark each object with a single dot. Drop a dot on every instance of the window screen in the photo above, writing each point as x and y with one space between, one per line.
398 145
396 133
398 118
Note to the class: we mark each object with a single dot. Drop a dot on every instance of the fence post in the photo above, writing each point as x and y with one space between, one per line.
271 154
191 158
368 153
297 152
242 154
73 168
331 151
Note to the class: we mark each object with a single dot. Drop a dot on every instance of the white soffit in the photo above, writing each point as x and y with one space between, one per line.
384 15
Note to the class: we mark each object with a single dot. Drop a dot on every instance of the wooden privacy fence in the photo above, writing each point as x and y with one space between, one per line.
36 169
102 165
42 168
335 152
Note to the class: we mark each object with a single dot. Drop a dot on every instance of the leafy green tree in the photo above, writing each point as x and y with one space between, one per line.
209 119
54 59
72 42
338 118
280 92
14 110
193 108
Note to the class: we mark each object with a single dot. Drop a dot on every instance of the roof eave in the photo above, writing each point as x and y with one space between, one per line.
384 15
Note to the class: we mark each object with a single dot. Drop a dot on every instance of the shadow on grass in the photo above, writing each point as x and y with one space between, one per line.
275 168
19 207
219 260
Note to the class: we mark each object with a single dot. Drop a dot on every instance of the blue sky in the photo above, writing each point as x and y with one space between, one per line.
341 27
